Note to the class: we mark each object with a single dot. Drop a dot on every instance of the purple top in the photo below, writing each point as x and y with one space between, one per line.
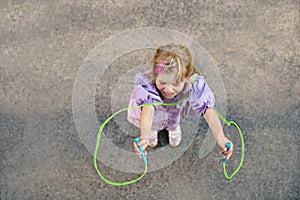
199 98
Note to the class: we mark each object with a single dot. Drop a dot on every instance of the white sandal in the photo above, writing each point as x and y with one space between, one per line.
153 140
175 137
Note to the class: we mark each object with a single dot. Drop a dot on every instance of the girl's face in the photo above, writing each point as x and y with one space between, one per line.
167 85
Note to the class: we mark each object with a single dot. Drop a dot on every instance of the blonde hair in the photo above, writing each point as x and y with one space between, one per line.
173 58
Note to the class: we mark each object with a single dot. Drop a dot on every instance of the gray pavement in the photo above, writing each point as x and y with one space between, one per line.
256 46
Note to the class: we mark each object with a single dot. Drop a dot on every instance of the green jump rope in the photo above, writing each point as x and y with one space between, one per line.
228 123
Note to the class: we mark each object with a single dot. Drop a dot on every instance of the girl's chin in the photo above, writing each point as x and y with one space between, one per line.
169 97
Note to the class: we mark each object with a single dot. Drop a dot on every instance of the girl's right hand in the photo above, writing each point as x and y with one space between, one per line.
144 143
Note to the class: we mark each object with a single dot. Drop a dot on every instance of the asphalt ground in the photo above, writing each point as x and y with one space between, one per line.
255 45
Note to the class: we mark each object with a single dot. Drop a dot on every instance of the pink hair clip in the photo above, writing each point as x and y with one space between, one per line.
159 68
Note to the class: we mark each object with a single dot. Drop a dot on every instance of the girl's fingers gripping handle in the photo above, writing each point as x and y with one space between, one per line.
137 140
227 147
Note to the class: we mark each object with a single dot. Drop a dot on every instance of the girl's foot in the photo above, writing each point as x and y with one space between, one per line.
153 139
175 137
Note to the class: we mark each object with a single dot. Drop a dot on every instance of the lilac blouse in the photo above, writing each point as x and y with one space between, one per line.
199 98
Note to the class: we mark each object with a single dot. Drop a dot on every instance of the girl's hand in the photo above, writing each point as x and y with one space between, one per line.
229 151
144 143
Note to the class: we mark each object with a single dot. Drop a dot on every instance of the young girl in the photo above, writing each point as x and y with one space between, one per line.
171 78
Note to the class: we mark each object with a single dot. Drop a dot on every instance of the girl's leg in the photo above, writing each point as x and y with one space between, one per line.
175 137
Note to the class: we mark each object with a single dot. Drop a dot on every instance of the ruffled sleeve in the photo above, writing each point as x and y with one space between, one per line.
145 91
201 97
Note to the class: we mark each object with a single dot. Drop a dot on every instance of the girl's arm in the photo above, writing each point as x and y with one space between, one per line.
214 123
146 120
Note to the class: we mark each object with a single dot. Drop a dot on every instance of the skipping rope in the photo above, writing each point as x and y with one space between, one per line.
228 123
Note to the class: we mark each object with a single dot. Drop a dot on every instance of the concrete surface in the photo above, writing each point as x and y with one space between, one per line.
43 43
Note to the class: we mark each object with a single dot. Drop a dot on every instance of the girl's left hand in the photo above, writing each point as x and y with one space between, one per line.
227 152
